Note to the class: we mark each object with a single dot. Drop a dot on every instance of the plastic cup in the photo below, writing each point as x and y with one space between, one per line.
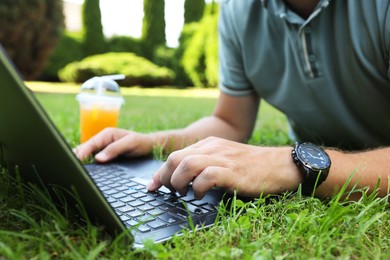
100 102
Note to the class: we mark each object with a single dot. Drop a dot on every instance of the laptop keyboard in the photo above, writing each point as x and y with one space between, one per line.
145 211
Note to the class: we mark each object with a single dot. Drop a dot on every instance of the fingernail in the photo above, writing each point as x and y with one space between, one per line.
150 186
76 152
102 156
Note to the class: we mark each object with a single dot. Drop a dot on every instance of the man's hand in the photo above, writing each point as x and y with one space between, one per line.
215 162
112 142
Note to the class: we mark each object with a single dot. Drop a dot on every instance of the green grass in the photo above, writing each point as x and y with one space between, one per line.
288 226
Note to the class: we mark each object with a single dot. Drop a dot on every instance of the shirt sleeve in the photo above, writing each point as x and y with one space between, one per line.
233 80
387 39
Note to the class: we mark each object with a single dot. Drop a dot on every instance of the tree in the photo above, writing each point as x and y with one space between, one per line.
93 37
193 10
200 56
153 26
29 31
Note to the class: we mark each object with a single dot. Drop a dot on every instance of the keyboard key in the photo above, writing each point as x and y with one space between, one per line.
131 184
106 183
170 198
156 203
124 218
145 218
156 224
140 187
103 188
126 209
123 181
130 191
155 212
114 185
131 223
196 210
138 195
121 188
143 228
127 199
146 207
166 207
136 203
187 198
110 192
169 218
118 204
119 195
111 200
148 198
136 213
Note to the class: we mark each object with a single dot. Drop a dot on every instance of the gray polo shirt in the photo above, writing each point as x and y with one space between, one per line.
329 74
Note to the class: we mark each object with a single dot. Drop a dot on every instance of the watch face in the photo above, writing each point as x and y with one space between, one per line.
313 156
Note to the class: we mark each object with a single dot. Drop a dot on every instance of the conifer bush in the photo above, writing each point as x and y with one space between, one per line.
29 31
200 57
93 37
153 27
193 10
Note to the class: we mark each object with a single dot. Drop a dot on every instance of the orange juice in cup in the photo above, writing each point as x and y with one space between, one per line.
95 118
100 103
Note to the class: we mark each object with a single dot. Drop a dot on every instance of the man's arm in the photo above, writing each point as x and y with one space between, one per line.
254 170
365 168
233 119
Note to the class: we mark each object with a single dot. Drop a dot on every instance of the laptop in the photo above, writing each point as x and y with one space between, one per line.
114 194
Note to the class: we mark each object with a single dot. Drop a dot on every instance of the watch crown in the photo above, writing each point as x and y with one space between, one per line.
295 157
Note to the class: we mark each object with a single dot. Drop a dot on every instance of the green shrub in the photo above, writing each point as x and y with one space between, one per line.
182 78
138 71
29 30
68 49
167 57
211 53
200 57
124 44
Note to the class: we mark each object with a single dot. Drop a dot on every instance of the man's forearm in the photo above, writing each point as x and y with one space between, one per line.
364 168
172 140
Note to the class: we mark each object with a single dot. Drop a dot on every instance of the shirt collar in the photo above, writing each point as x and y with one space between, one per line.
279 8
322 3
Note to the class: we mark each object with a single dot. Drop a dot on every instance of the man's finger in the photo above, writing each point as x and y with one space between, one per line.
154 183
128 145
189 169
210 177
98 142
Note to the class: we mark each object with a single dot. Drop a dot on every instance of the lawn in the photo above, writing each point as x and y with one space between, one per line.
287 226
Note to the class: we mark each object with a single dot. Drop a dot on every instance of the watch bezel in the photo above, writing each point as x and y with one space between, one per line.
303 160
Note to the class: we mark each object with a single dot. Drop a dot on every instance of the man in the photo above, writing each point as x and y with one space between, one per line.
325 64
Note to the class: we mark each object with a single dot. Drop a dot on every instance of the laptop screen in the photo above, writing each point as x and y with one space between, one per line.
30 141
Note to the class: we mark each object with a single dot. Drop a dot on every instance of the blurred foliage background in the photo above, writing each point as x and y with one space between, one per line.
33 34
29 31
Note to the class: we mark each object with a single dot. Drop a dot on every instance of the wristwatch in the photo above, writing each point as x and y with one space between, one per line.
314 164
